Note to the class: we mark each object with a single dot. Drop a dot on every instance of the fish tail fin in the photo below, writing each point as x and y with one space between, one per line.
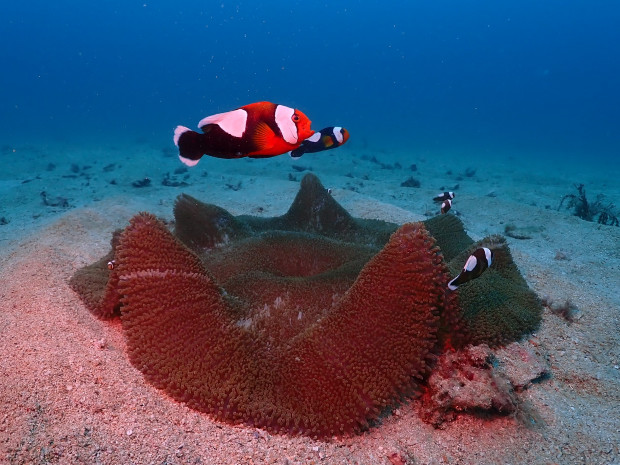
454 283
297 153
190 144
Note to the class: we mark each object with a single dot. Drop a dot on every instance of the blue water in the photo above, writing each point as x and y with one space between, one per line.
482 76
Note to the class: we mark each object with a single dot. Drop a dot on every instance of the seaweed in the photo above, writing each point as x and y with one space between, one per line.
586 210
607 218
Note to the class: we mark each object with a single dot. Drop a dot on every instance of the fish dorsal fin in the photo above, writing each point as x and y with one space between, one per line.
231 122
263 136
328 141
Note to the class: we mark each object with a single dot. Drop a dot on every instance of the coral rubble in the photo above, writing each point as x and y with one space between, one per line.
482 382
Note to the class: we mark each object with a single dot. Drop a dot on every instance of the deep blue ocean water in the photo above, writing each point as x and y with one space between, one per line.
477 77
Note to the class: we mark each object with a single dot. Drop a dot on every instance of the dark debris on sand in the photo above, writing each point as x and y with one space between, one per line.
48 201
586 210
171 181
410 182
142 183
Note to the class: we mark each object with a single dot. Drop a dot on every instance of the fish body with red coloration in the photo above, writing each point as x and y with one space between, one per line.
257 130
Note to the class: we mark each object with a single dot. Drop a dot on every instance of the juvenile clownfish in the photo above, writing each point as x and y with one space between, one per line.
258 130
446 205
477 262
325 139
443 196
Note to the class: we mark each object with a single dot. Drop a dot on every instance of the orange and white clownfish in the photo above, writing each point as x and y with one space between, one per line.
258 130
325 139
475 265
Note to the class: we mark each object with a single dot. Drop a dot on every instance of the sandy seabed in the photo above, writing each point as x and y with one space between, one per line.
69 395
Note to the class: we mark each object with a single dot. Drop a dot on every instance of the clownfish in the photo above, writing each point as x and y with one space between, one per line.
444 196
325 139
258 130
446 206
475 265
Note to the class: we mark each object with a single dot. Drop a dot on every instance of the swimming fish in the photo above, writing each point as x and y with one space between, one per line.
443 196
446 205
325 139
477 262
257 130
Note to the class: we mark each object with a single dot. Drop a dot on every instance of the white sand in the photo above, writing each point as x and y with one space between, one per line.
69 395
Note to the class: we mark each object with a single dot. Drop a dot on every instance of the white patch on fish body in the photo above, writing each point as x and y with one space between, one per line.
314 137
232 122
338 134
471 263
489 255
444 196
284 120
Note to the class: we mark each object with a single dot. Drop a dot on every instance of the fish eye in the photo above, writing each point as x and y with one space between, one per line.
295 118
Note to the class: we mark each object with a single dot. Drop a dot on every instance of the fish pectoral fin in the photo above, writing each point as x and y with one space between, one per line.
263 136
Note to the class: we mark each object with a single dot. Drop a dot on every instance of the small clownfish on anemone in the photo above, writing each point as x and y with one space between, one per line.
258 130
325 139
475 265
